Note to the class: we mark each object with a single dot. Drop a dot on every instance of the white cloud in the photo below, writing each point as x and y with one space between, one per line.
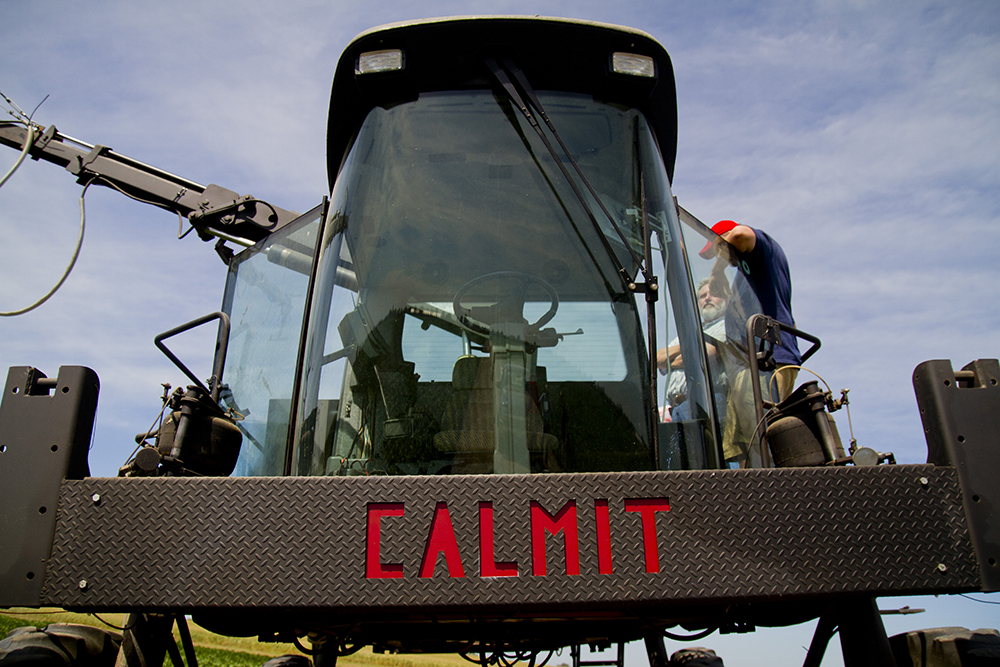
869 148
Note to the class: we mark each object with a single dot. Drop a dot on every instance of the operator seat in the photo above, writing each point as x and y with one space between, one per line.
468 424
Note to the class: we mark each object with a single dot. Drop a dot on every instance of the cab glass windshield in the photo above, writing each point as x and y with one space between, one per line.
472 314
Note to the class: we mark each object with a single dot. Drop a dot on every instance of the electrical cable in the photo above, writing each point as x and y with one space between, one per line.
76 251
771 390
149 432
846 403
772 385
967 597
798 368
115 627
180 218
29 141
753 436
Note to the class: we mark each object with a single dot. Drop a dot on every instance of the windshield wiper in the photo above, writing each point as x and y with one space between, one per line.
503 74
649 287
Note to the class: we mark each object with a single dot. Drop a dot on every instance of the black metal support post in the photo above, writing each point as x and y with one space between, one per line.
656 651
145 640
825 630
862 635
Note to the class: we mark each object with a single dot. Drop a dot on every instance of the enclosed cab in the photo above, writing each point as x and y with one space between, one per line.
476 296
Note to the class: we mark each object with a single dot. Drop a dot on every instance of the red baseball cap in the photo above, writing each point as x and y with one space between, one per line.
720 228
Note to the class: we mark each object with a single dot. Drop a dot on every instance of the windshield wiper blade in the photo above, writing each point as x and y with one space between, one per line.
649 286
509 113
525 110
503 74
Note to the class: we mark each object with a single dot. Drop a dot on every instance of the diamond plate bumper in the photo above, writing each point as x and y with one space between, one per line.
307 543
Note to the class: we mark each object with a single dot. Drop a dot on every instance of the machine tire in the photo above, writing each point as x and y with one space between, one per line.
938 647
59 645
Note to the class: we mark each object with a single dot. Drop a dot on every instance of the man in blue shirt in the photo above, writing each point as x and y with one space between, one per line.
762 279
763 268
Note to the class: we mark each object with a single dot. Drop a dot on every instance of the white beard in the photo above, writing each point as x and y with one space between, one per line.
712 312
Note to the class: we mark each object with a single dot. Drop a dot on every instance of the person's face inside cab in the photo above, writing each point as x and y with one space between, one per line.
712 307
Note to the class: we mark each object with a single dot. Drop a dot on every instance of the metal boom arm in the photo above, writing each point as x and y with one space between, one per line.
212 210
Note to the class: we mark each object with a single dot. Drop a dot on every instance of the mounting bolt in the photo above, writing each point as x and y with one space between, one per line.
942 568
82 584
96 498
924 481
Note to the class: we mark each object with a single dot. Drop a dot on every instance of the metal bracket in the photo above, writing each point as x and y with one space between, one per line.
43 141
651 288
45 426
79 164
960 412
220 206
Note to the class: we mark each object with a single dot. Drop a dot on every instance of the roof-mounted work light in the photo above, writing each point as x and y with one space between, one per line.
373 62
632 64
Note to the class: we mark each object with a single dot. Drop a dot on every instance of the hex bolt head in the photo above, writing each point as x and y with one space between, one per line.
82 584
924 481
942 568
96 498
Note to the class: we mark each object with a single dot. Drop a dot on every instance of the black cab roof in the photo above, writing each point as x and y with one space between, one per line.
450 54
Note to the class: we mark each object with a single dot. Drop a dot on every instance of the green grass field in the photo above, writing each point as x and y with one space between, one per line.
217 651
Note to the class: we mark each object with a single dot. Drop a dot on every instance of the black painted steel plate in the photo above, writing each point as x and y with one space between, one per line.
369 543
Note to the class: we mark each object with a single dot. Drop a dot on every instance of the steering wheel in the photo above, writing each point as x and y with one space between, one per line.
519 286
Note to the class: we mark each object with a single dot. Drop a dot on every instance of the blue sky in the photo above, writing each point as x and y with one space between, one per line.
864 137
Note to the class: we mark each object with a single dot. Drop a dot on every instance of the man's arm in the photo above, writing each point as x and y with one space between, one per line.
668 357
741 237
